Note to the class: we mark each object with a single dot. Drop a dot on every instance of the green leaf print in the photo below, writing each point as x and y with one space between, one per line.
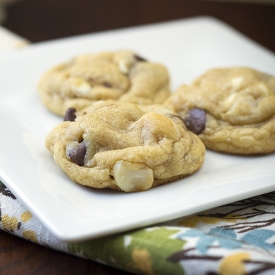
143 251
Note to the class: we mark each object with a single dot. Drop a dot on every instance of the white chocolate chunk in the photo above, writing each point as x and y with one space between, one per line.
132 180
230 100
247 141
242 105
263 89
236 83
124 67
79 86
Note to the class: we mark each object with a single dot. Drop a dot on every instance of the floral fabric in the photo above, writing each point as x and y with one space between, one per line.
237 238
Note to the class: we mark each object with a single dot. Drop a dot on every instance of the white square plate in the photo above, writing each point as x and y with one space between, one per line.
73 212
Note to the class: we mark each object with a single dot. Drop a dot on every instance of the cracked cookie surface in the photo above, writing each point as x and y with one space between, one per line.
232 110
120 75
125 147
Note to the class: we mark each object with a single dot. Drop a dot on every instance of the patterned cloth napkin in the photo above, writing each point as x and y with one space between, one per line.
235 239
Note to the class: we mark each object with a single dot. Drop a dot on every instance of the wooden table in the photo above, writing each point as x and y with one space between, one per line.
50 19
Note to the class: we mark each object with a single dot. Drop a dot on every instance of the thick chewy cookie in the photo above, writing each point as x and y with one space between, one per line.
121 75
120 146
232 110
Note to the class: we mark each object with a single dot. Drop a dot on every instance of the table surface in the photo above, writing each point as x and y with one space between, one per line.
52 19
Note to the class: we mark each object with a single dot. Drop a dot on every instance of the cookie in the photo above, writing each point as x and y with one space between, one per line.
121 75
232 110
118 145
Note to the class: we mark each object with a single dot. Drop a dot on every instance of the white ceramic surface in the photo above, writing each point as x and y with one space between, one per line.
72 212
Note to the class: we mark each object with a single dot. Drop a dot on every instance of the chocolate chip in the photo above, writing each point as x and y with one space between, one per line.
70 114
77 153
139 58
107 84
195 120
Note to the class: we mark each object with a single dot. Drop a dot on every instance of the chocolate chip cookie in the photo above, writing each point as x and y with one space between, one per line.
124 146
121 75
232 110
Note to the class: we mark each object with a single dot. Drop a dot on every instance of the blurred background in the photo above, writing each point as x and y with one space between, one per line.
41 20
